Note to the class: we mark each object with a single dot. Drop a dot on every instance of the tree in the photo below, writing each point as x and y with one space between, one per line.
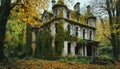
5 9
112 9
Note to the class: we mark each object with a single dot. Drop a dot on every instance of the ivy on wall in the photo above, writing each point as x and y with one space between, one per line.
28 40
44 45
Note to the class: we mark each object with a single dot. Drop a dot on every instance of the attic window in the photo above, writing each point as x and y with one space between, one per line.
45 18
78 18
68 14
55 12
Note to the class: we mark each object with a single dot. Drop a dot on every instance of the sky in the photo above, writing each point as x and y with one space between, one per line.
83 4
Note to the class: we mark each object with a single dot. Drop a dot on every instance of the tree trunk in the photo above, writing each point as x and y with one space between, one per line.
4 13
2 36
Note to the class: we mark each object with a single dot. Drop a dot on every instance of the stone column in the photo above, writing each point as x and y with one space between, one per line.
65 49
82 51
33 42
85 50
73 48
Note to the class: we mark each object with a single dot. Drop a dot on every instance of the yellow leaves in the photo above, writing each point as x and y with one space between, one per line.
82 19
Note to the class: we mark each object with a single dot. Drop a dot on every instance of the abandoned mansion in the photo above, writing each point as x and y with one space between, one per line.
71 31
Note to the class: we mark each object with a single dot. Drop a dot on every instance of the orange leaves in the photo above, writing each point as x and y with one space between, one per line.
44 64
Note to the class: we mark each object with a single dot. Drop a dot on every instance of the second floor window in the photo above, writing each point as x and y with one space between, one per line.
76 32
55 12
90 35
68 14
69 27
56 28
83 33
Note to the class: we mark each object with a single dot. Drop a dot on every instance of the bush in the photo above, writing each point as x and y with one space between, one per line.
81 60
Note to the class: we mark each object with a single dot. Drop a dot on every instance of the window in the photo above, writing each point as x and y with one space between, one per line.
56 28
90 34
69 48
56 46
68 14
78 18
87 21
83 33
76 32
55 12
68 27
45 18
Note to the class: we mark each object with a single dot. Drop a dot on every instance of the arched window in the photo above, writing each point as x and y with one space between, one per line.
68 14
83 33
76 32
90 34
69 48
55 13
56 28
69 27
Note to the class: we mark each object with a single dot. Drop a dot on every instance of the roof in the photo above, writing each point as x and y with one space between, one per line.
59 4
70 21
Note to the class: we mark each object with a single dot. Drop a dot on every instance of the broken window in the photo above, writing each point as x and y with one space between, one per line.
56 46
90 34
69 48
68 14
77 49
76 33
56 28
69 27
45 18
83 33
55 12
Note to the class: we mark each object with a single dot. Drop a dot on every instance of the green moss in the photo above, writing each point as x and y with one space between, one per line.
44 45
60 2
89 15
28 40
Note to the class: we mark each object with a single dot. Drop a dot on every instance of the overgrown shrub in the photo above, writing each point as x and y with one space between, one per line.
81 60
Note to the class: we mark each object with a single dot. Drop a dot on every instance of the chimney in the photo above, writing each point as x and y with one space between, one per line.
77 7
53 2
88 9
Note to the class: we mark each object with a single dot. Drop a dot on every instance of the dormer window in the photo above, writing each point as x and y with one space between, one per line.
55 12
68 14
78 17
68 27
45 18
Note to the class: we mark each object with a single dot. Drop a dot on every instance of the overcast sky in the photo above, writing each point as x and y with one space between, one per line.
83 4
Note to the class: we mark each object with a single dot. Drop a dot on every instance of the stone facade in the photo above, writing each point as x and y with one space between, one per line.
81 26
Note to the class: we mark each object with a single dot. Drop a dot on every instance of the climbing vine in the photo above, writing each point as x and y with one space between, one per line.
44 45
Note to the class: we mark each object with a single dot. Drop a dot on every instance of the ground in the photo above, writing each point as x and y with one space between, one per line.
45 64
